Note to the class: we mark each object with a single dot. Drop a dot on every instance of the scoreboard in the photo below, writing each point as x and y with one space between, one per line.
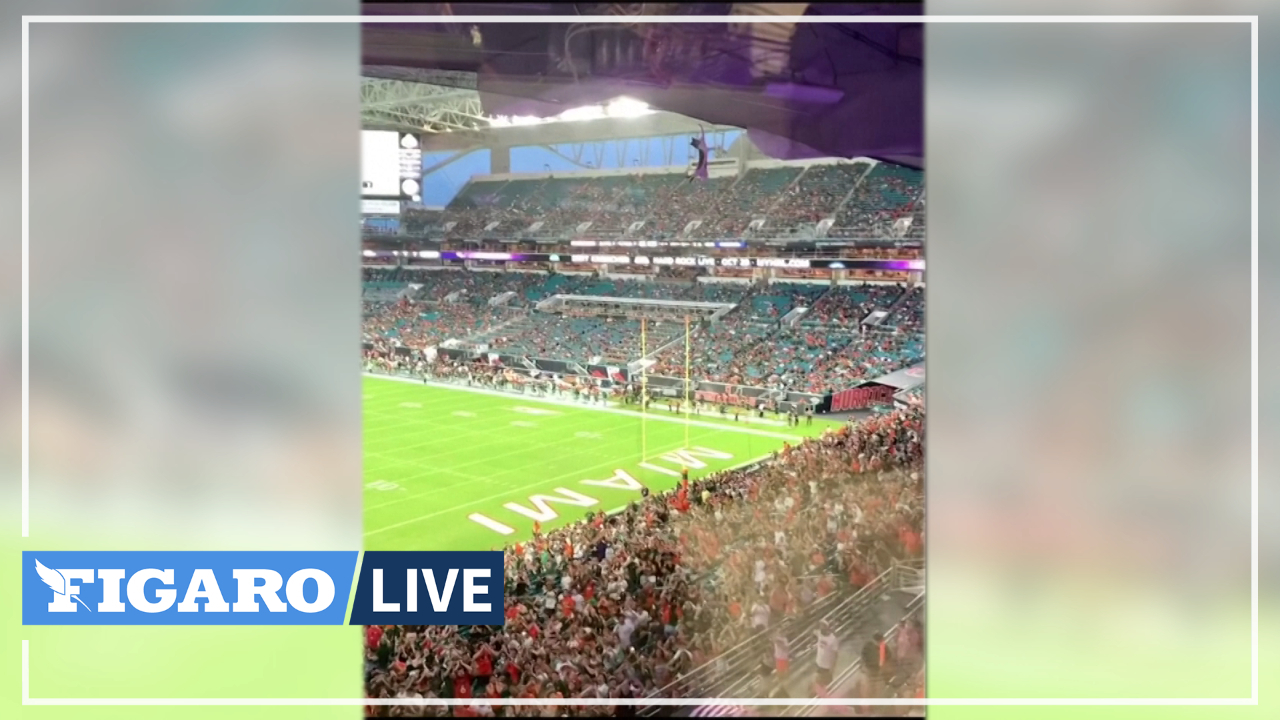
390 169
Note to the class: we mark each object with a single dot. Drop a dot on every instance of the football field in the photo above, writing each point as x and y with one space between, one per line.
449 468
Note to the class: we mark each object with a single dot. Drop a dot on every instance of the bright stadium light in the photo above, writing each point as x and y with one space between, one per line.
622 107
626 107
515 121
586 112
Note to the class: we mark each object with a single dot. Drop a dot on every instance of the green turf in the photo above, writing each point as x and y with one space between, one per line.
434 456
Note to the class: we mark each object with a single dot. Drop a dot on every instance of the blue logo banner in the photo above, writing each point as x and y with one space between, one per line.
429 588
186 588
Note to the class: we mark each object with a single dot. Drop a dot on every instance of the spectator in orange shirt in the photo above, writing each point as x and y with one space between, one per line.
910 541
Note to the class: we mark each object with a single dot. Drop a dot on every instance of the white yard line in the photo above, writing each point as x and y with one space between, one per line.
545 481
578 473
607 409
565 423
509 491
489 458
506 493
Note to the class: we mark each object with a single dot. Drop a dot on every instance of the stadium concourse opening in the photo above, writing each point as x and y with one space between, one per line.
666 353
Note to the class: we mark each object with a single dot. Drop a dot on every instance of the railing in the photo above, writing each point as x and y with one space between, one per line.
907 575
914 609
732 671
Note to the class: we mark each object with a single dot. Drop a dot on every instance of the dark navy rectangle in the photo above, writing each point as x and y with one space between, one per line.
394 567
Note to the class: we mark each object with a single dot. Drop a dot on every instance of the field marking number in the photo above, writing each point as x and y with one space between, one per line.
533 410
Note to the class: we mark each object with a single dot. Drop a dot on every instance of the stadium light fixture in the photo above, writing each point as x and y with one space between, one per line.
622 107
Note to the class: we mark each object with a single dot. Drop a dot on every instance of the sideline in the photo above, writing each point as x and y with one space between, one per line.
611 407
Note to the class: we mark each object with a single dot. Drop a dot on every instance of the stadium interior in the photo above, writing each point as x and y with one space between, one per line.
651 263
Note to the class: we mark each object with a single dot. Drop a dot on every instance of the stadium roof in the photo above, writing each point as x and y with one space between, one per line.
811 90
418 107
446 108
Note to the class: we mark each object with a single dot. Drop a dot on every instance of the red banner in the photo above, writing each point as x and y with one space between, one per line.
862 397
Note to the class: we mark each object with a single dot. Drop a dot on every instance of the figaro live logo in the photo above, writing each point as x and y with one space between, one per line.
261 588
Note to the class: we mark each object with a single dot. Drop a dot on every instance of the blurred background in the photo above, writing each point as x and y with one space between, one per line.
1089 289
194 326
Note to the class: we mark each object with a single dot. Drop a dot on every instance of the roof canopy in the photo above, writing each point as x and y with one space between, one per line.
801 90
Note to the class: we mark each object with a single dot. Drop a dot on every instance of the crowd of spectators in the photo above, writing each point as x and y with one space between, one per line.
578 338
790 359
416 325
815 197
507 204
849 305
916 395
417 221
909 316
478 288
531 287
623 606
863 199
825 350
634 202
888 193
714 348
587 201
676 206
584 389
730 212
773 302
867 357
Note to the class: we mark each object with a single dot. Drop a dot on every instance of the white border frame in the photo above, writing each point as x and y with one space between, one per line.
1251 20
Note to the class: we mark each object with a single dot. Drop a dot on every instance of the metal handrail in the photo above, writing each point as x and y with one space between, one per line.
913 608
847 612
834 606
